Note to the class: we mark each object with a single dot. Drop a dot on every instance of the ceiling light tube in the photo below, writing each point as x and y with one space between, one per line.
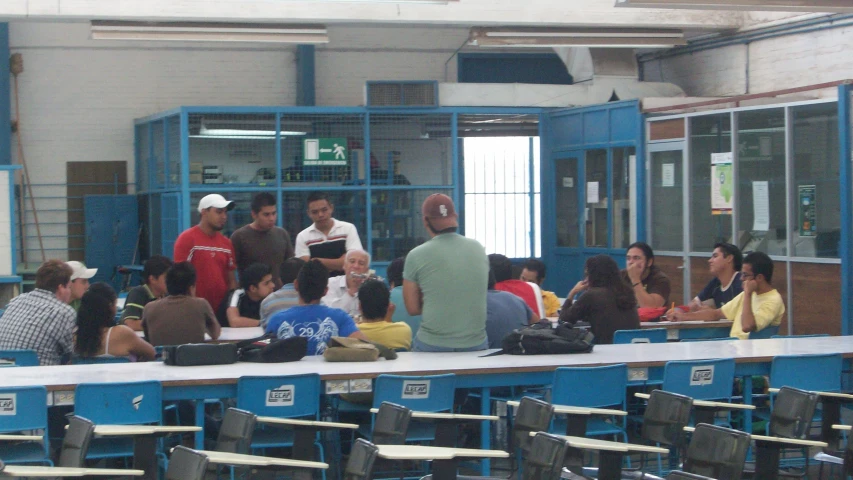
834 6
575 37
208 32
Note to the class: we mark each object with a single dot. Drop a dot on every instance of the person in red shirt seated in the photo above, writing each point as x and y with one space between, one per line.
501 266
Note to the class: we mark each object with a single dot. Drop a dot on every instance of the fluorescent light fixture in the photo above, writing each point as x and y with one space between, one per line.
575 37
236 133
209 32
835 6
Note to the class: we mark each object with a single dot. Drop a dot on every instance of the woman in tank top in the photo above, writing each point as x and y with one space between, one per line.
97 333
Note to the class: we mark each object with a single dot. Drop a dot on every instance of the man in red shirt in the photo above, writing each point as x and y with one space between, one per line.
501 266
210 252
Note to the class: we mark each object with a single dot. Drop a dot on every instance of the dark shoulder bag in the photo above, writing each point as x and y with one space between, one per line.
269 349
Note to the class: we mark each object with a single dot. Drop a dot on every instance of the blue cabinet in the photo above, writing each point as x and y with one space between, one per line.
112 229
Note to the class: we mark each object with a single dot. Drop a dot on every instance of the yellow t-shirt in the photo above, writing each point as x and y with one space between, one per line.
552 304
767 308
392 335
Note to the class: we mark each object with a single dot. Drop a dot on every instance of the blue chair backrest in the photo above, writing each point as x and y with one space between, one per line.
95 360
590 386
768 332
18 358
647 335
430 393
719 339
280 396
801 336
23 408
700 379
123 403
818 372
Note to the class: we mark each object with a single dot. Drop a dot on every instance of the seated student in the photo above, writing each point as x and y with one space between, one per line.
309 319
242 307
343 289
286 296
99 336
154 287
534 272
181 317
651 286
756 308
608 303
501 267
395 281
376 313
725 264
504 313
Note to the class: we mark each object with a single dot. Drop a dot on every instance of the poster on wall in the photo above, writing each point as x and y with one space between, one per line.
668 174
760 206
807 210
722 184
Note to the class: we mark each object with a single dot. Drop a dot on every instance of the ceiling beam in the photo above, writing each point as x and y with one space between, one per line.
816 6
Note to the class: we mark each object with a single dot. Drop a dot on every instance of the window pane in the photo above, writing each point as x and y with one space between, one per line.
816 188
621 197
708 135
761 169
667 228
566 179
596 203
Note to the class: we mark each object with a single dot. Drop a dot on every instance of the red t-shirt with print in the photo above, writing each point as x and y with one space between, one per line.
213 259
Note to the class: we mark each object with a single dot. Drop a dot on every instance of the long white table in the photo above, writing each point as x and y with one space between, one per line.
752 357
231 334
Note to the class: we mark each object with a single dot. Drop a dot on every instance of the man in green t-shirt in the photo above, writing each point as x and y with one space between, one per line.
445 281
153 287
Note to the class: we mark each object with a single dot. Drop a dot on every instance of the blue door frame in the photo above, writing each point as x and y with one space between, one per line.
569 134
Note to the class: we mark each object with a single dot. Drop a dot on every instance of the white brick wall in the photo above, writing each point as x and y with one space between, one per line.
774 64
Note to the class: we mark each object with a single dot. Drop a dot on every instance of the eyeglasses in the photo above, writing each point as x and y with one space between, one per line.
746 275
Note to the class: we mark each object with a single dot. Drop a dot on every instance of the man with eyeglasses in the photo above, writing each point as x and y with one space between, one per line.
759 305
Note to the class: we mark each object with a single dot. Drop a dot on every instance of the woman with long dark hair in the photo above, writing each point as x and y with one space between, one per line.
608 303
97 333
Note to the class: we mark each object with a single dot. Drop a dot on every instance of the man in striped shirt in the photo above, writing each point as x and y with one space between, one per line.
210 252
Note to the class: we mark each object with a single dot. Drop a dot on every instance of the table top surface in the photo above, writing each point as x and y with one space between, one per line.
842 427
573 410
787 441
31 471
419 452
708 403
11 437
131 430
231 334
240 459
306 423
687 324
417 363
845 396
448 416
607 445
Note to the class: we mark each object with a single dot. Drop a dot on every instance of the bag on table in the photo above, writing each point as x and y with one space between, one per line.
541 339
345 349
193 354
650 314
269 349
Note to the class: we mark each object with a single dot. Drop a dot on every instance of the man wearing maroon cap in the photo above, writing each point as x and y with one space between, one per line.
445 281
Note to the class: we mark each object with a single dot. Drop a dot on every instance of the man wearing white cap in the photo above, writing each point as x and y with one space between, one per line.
210 252
79 281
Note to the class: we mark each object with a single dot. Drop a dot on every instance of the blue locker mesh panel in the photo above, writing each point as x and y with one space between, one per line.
169 223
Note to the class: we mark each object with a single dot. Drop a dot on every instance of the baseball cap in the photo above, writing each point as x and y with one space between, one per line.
79 270
215 200
440 211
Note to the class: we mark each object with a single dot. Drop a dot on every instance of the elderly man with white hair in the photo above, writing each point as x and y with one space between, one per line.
343 290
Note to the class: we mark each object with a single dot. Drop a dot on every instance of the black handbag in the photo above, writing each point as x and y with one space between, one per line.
200 354
269 349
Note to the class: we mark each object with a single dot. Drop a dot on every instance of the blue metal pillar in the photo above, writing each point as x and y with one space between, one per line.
844 127
5 100
305 88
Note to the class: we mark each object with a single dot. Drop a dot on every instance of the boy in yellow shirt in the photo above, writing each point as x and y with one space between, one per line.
534 271
376 312
756 308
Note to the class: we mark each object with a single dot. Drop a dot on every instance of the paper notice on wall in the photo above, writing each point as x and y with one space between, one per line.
568 182
668 174
722 184
760 206
591 192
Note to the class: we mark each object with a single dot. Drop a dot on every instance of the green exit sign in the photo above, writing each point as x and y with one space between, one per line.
325 152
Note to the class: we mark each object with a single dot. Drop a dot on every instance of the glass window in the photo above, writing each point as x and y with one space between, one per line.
621 182
761 181
667 207
708 135
566 188
815 204
596 202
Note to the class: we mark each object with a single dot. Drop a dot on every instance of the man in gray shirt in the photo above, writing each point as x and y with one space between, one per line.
445 280
261 241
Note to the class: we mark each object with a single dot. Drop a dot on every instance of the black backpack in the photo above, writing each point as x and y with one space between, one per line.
269 349
541 339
